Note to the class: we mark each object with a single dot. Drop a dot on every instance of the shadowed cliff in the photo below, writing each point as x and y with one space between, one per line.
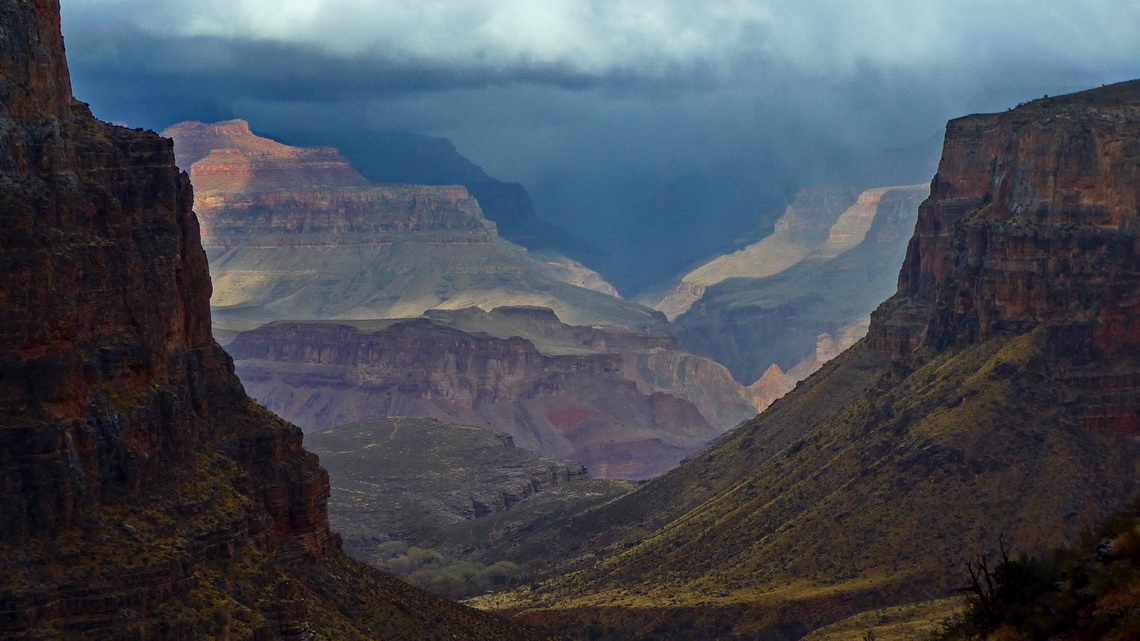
142 494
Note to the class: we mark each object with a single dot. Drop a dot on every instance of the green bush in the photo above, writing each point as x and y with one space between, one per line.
431 571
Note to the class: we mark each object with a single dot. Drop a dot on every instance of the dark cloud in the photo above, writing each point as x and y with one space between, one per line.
658 130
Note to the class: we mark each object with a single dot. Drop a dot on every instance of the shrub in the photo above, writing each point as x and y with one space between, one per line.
431 571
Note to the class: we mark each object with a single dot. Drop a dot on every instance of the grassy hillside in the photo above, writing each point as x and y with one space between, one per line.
882 500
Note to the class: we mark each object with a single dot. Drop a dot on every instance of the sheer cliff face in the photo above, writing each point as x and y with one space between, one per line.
35 82
1032 223
142 494
1032 219
996 393
104 296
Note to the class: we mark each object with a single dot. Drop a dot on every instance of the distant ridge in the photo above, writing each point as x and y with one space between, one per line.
627 404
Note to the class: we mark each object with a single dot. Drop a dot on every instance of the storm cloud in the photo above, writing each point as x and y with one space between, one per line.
611 112
655 38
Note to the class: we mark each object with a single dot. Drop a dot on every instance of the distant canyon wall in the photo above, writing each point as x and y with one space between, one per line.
297 233
627 405
807 290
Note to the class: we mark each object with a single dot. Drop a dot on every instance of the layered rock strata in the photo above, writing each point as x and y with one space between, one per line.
142 494
627 404
993 398
295 233
228 157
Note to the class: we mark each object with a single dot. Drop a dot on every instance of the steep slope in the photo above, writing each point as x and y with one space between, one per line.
996 392
296 233
627 404
142 494
748 323
409 478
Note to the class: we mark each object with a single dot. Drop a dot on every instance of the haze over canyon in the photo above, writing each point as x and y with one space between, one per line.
686 126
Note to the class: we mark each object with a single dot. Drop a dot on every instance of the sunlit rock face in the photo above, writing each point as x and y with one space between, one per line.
297 233
228 157
805 224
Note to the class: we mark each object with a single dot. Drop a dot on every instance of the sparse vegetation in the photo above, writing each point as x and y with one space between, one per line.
433 572
1090 591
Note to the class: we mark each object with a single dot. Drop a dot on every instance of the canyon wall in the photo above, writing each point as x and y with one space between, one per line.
1025 226
227 157
804 224
627 404
142 494
827 283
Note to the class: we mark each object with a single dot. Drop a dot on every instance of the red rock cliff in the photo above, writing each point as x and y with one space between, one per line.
238 158
34 81
296 233
1032 221
106 325
142 494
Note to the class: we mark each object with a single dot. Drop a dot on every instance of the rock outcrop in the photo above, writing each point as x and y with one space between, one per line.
769 387
227 157
142 494
1025 226
408 158
625 403
294 233
995 394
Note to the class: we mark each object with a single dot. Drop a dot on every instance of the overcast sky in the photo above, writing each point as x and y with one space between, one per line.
575 96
